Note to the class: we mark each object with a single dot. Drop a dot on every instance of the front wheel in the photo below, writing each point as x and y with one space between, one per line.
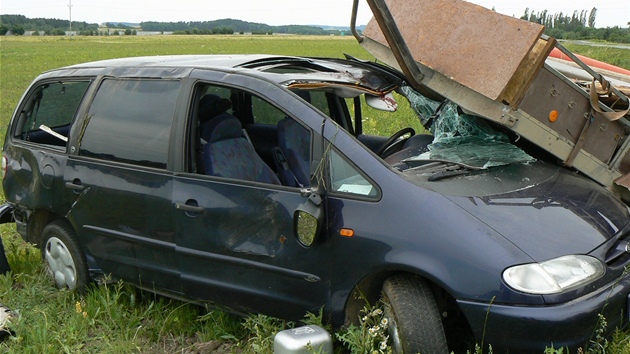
63 257
414 321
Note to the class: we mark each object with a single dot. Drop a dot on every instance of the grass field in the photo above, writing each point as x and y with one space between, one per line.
616 56
23 58
115 318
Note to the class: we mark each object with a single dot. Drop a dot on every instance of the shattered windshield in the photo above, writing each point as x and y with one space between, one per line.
462 138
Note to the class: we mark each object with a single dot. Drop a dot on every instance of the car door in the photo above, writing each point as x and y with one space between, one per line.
120 184
236 239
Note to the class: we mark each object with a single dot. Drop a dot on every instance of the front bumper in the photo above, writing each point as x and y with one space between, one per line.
528 329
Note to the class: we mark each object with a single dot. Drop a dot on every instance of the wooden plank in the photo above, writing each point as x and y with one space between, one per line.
523 77
476 47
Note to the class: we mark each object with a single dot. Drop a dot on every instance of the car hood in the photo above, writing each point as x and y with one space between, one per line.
545 210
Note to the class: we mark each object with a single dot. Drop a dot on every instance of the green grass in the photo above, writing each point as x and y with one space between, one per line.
23 58
616 56
114 317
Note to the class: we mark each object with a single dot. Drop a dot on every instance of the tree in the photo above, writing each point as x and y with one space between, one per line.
4 29
17 30
591 18
526 14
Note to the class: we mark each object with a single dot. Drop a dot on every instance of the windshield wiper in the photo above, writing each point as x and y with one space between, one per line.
446 174
441 169
415 162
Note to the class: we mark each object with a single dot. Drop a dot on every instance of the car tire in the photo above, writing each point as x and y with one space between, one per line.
414 321
63 257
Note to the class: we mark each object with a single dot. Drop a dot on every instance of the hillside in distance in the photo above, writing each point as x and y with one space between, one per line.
236 26
239 26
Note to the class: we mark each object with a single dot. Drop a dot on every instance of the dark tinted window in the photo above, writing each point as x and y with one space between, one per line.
130 121
52 105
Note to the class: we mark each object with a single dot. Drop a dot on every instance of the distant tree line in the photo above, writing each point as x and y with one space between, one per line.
578 25
117 25
229 26
216 30
19 24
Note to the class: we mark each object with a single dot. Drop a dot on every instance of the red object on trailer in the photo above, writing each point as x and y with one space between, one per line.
556 53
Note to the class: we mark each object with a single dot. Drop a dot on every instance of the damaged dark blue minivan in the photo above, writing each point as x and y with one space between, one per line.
258 183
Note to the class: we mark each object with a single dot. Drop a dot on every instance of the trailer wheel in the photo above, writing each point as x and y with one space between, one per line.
63 257
414 321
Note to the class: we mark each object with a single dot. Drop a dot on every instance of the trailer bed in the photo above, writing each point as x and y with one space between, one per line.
498 67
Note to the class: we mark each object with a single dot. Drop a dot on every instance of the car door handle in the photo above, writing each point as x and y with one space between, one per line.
75 186
189 208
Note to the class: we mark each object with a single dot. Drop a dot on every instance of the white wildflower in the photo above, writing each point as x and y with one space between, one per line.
384 323
383 345
373 331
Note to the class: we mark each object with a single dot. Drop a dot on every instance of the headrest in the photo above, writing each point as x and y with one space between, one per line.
211 106
223 127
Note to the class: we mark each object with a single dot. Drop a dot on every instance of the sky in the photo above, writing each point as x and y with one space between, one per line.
278 12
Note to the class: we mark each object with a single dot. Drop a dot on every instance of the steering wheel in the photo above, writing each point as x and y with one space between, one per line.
393 140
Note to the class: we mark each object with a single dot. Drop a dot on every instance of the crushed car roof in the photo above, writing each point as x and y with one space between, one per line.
292 71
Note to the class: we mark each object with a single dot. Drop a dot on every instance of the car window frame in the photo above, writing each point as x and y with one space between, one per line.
77 142
17 122
348 195
247 85
272 92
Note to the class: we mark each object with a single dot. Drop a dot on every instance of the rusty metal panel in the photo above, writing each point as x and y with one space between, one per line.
567 110
478 48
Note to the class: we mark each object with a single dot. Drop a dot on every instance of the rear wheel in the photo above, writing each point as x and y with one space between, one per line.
413 318
63 257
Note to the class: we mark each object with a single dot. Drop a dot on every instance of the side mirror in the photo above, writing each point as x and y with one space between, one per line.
382 103
308 219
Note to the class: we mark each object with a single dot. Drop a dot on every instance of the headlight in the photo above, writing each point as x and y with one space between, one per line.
555 275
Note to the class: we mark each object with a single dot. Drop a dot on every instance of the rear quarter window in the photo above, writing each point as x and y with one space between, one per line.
52 105
130 121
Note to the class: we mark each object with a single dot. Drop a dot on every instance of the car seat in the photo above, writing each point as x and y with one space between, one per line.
228 154
211 106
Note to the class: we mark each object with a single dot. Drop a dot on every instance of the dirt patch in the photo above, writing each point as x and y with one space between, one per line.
191 346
